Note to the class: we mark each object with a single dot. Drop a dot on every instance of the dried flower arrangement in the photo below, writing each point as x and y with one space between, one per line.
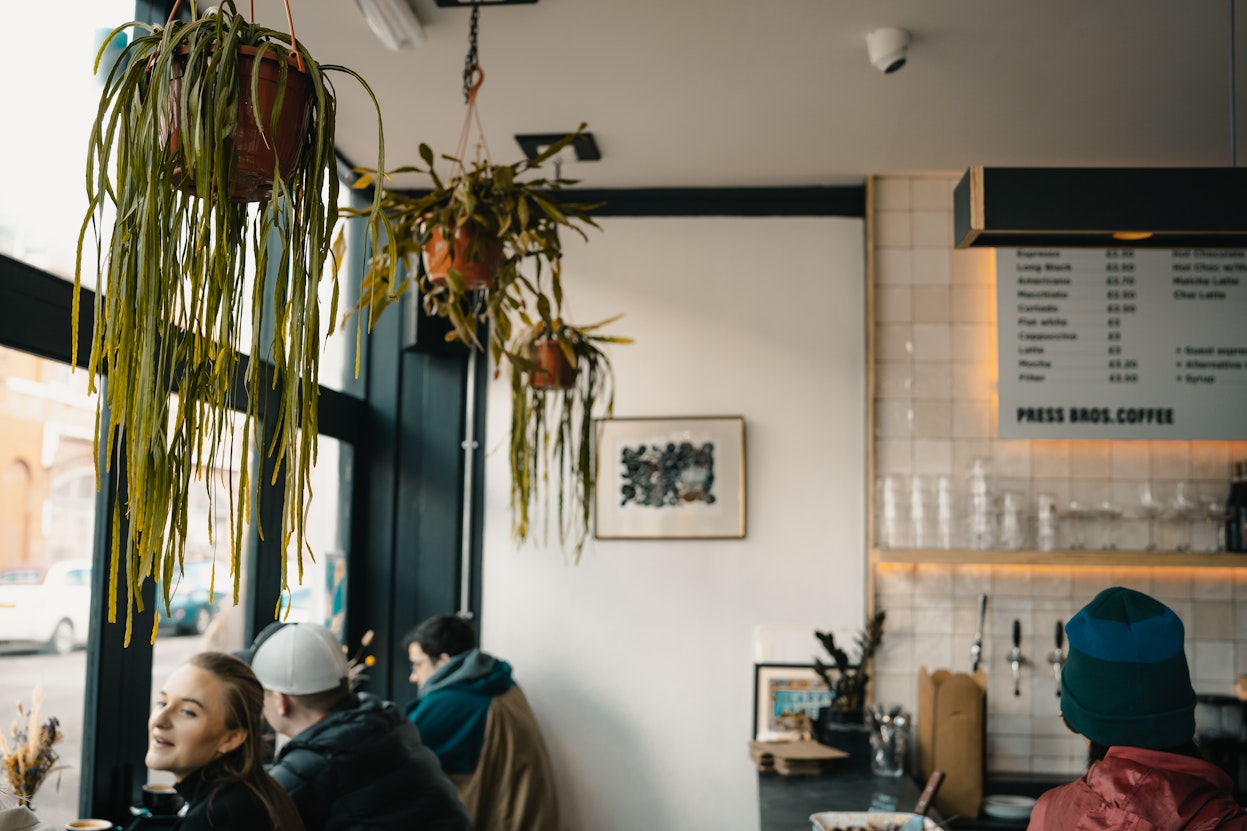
849 682
29 756
358 665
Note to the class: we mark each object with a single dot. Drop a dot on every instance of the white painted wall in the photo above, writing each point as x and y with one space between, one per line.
638 661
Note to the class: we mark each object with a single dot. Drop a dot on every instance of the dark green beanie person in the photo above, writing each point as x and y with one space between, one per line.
1125 680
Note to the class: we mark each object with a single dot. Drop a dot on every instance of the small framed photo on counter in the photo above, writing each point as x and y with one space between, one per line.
783 696
670 478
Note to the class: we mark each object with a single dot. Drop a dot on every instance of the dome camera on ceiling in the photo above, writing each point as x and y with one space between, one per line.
887 48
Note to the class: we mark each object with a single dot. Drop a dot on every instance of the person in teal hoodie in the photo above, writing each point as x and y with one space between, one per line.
476 720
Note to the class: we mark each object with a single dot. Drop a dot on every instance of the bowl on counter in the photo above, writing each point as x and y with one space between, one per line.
1016 788
1008 806
871 820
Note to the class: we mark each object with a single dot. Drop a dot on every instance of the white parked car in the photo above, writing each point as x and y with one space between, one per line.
46 605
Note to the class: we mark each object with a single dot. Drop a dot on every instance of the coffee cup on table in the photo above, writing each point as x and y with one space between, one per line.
162 800
89 824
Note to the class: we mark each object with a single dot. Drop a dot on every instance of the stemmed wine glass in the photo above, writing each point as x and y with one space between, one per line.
1106 515
1211 510
1077 515
1150 508
1183 514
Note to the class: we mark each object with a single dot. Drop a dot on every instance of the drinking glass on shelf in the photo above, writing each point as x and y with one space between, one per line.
1177 521
890 527
1012 521
944 512
1046 522
919 521
980 510
1076 516
1105 516
1149 509
1209 534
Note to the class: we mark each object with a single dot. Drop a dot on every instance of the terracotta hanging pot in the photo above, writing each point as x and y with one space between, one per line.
556 372
256 150
475 257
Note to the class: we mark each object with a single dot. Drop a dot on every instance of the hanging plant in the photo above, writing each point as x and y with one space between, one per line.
487 237
560 381
509 227
485 247
185 153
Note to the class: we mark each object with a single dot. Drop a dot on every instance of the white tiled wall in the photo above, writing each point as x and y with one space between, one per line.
935 365
933 613
935 411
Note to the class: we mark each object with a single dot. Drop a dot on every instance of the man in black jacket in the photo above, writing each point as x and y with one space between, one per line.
353 761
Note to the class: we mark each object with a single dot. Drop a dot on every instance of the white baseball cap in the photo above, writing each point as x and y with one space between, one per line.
300 659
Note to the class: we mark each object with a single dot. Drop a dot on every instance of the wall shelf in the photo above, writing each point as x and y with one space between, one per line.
1123 559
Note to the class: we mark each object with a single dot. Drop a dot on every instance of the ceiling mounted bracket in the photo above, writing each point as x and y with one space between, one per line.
583 145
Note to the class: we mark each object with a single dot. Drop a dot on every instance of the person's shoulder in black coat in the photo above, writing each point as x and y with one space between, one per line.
363 765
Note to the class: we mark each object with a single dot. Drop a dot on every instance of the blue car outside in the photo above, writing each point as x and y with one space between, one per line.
190 609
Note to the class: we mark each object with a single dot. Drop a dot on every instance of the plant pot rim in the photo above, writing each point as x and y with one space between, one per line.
273 54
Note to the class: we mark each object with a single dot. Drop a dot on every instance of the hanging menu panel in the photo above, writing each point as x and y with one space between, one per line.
1122 343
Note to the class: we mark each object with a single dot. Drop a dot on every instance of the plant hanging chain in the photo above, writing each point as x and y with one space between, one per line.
473 77
472 61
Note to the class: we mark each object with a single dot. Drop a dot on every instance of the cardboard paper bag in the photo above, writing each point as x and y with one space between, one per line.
952 713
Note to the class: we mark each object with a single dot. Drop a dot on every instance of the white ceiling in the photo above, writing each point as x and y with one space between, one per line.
720 93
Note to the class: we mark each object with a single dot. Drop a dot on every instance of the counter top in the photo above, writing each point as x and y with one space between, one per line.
786 802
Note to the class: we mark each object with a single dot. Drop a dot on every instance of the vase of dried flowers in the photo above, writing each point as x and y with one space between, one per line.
28 751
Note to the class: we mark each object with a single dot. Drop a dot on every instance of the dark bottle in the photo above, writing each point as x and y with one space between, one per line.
1236 510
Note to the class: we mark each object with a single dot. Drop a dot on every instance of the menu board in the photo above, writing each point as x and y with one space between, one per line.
1122 343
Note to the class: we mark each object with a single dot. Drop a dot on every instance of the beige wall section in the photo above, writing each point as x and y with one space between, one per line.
639 660
44 433
935 410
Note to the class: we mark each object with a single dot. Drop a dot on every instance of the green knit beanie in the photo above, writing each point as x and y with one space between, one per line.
1125 679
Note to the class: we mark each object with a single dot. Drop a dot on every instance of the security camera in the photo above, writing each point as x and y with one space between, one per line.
887 48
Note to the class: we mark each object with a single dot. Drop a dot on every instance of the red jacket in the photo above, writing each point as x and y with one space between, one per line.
1133 789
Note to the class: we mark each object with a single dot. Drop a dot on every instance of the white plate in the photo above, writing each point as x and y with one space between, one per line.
1008 806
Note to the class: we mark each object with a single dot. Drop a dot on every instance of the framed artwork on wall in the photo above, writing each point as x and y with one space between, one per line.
783 696
670 478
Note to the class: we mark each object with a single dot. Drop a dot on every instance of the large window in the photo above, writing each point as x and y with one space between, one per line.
47 512
48 493
52 517
201 614
337 353
49 98
320 595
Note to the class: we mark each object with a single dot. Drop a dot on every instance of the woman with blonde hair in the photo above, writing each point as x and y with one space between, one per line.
205 729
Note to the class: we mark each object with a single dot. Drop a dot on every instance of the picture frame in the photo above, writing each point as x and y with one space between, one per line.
670 478
782 695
